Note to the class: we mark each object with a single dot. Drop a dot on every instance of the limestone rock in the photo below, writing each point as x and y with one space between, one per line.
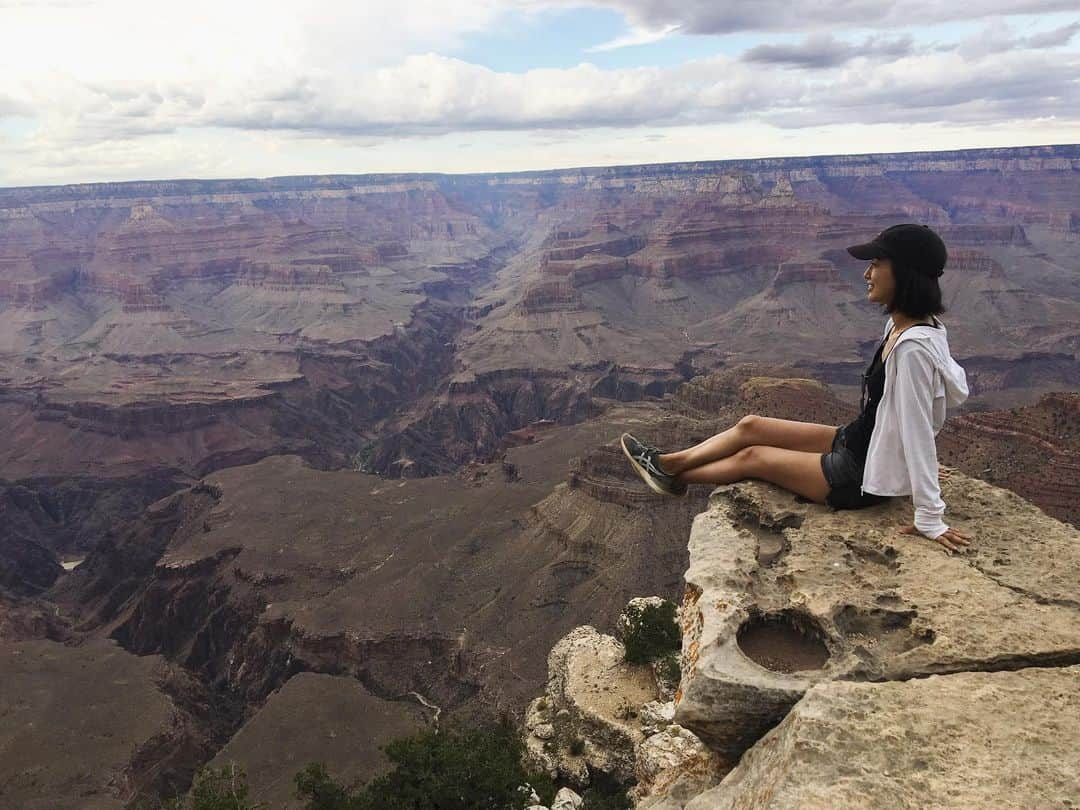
976 739
667 682
656 716
675 762
545 731
566 799
587 718
782 593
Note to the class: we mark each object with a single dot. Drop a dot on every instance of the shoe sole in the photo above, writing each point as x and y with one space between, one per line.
648 479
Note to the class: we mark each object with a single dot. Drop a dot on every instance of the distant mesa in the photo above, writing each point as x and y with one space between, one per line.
557 295
820 273
31 293
591 267
608 239
984 234
970 259
604 475
288 277
139 298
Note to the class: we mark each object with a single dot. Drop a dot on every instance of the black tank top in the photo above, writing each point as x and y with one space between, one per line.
857 432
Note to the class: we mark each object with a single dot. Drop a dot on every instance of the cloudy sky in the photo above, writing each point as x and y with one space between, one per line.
94 90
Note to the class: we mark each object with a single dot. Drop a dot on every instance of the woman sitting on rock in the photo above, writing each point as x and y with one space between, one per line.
889 448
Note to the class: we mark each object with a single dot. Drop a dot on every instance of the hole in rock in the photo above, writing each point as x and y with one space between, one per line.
872 554
889 628
769 549
771 543
783 642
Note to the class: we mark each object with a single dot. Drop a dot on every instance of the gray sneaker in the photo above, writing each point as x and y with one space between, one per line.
646 462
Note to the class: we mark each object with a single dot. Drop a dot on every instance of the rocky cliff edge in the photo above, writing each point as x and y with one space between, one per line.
830 661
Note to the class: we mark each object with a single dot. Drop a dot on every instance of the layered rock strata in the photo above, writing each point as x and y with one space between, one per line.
1033 450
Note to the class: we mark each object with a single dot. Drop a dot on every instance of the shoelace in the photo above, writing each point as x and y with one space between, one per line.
647 463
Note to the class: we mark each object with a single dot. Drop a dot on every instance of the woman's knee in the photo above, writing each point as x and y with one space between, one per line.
748 458
749 423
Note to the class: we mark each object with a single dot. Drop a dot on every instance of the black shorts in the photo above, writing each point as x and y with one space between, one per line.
844 472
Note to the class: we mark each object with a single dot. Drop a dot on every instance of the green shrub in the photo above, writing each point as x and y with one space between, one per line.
323 793
222 789
595 800
577 747
651 633
605 793
454 768
362 458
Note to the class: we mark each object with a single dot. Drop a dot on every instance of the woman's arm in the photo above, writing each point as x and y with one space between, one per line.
914 402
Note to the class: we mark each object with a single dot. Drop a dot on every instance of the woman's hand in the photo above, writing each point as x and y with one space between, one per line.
952 539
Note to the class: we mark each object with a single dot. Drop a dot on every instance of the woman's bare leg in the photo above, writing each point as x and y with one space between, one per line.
752 429
795 470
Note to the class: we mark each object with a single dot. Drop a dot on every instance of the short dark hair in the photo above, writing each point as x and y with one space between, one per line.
916 294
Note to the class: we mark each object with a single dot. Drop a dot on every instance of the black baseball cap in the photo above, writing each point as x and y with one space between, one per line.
916 246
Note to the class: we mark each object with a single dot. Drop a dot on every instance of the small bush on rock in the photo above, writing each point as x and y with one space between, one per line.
651 633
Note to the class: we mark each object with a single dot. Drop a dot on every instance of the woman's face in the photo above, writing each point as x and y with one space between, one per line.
880 281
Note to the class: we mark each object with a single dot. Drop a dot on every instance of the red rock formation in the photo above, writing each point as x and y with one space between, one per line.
139 298
974 260
591 267
287 277
819 273
984 234
550 296
1033 450
603 474
350 259
32 293
604 238
780 391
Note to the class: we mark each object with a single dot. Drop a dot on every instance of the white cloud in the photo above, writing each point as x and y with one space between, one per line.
114 39
712 17
432 94
998 36
110 86
823 50
641 36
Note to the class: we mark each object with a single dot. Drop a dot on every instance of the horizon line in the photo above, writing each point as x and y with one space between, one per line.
520 172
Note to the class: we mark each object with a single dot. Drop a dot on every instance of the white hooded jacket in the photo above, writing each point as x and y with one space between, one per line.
921 380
